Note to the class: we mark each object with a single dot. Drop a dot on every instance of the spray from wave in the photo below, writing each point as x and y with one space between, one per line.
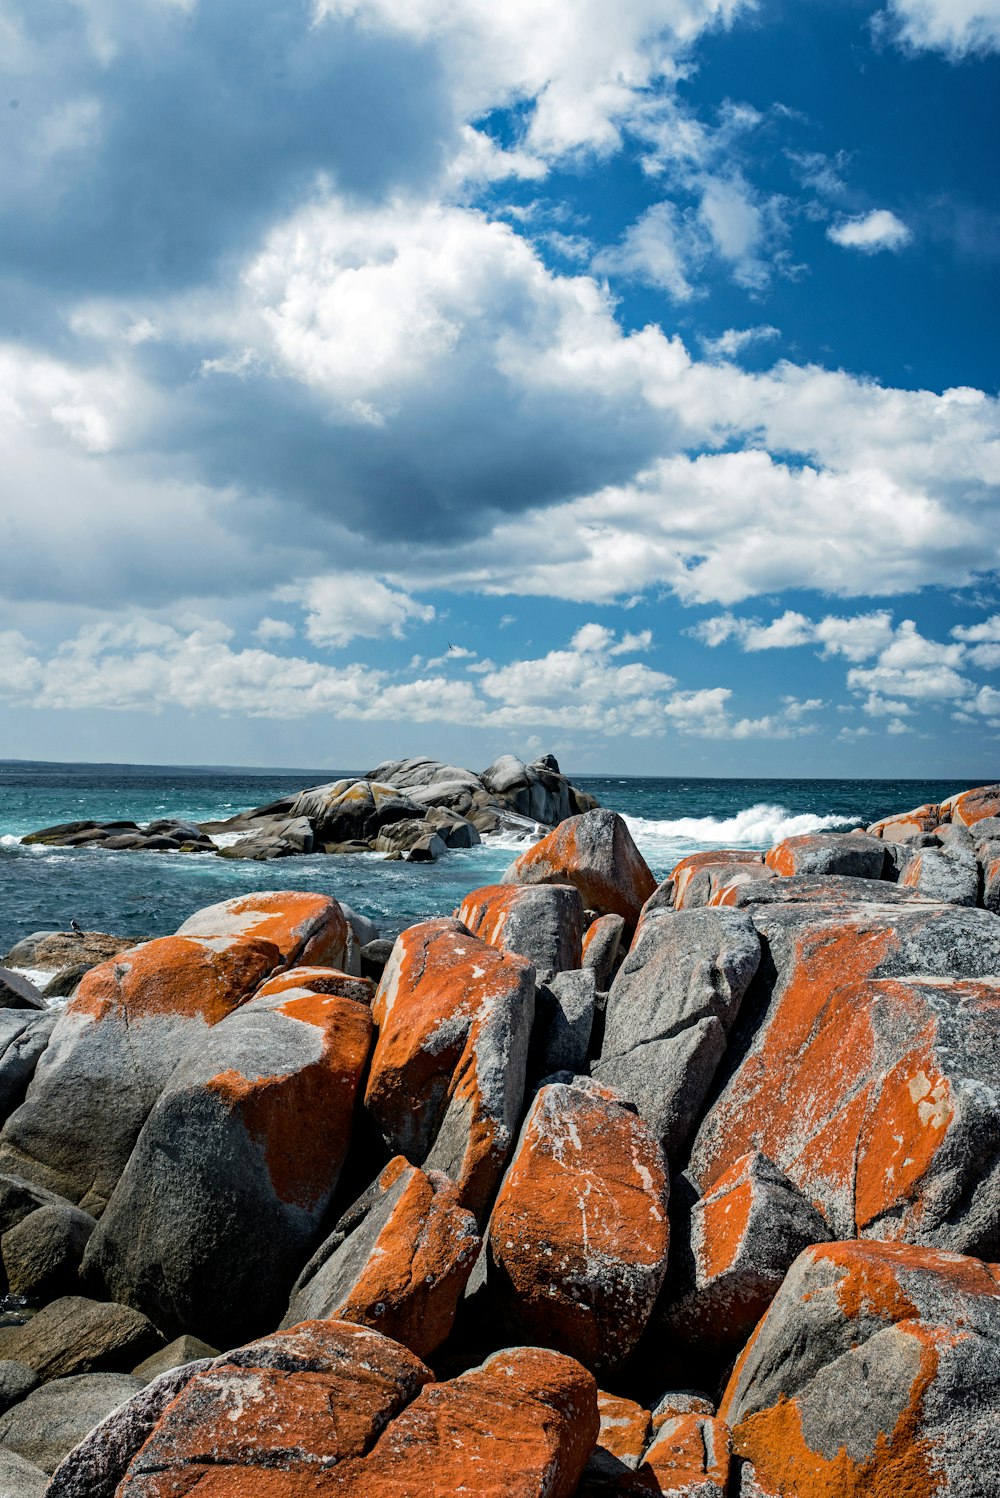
754 827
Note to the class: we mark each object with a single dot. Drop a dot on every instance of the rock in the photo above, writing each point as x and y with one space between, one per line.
543 922
599 952
537 791
260 847
301 1401
944 875
869 1079
224 1193
970 807
851 853
64 984
298 981
16 1382
177 1354
690 1457
111 1052
51 951
50 1422
374 956
43 1253
401 836
24 1035
987 829
447 1074
60 831
75 1335
564 1022
398 1261
96 1464
18 1198
348 810
697 878
742 1239
17 992
681 1402
595 852
20 1478
455 831
427 849
991 884
815 889
425 774
307 929
579 1234
523 1424
858 1377
364 930
669 1012
907 825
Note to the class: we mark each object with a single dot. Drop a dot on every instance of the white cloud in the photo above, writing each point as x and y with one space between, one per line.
956 27
987 630
274 629
871 232
731 343
663 248
855 637
344 606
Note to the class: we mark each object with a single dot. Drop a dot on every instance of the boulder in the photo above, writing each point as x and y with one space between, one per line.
53 1419
224 1193
689 1457
853 853
43 1252
374 957
991 883
426 849
18 992
698 877
398 1261
401 836
307 929
564 1021
425 774
75 1335
20 1478
741 1239
300 1401
669 1012
815 889
868 1079
906 826
297 981
111 1052
600 949
24 1035
260 847
349 810
18 1198
97 1463
447 1075
873 1371
579 1233
970 807
16 1382
944 874
595 852
454 831
537 791
543 922
51 951
176 1354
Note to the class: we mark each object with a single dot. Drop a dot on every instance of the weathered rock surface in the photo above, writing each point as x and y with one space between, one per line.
601 948
294 982
398 1261
50 1422
307 929
76 1335
970 807
43 1252
565 1009
698 879
16 1382
742 1237
20 1478
815 889
542 922
690 1457
579 1233
24 1035
225 1190
18 992
944 874
669 1012
111 1052
176 1354
874 1371
855 854
871 1081
447 1074
596 853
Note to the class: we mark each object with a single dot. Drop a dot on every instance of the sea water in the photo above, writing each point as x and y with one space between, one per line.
149 894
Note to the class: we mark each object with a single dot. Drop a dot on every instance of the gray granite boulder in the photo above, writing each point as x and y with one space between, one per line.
42 1254
53 1419
543 922
76 1335
24 1035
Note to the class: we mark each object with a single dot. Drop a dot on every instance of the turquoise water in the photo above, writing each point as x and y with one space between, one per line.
149 894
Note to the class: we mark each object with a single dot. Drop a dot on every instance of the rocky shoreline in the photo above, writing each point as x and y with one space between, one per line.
594 1186
412 808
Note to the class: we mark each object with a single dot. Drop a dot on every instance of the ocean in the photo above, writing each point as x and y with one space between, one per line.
149 894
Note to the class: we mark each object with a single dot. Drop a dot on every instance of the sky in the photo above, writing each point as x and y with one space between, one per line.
387 377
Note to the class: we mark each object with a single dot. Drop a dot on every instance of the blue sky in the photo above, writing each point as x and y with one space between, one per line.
390 376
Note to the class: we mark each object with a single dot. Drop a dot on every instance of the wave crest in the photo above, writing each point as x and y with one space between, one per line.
754 827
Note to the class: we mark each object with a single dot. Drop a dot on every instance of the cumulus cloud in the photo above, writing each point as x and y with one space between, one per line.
731 343
345 606
958 28
871 232
855 637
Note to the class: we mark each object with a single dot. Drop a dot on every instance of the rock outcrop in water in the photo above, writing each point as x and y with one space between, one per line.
408 808
771 1171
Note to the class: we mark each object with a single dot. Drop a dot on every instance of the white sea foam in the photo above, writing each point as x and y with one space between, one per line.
228 839
9 840
754 827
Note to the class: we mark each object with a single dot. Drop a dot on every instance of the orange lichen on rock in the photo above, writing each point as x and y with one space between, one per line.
318 980
864 1372
718 866
970 807
447 1074
306 928
176 975
595 852
544 923
908 824
579 1234
690 1455
855 854
301 1118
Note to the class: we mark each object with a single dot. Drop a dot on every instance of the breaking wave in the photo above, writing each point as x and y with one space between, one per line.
754 827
